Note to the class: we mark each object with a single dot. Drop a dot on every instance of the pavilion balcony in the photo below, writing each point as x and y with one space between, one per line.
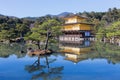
71 38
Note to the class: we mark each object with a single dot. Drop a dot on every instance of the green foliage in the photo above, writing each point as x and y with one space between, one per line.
39 32
111 31
22 29
108 51
52 25
45 32
98 25
114 30
7 34
11 28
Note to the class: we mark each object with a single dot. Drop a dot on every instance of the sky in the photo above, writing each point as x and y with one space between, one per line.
37 8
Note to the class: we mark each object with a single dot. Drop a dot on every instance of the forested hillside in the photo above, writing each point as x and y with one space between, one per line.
105 23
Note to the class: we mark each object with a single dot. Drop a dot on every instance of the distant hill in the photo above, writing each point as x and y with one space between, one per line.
1 15
8 16
64 14
31 18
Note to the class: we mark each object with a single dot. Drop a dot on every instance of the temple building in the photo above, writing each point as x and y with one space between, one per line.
76 29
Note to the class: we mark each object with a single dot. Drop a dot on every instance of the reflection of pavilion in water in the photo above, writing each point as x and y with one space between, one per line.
86 50
74 51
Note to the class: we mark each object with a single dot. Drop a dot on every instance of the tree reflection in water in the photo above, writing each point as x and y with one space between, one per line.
18 49
44 72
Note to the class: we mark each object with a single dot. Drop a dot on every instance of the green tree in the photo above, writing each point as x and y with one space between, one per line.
114 30
22 29
48 30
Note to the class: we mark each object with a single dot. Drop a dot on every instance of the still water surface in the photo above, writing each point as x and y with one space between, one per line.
84 61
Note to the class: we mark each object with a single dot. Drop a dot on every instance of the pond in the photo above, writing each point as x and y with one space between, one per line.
76 61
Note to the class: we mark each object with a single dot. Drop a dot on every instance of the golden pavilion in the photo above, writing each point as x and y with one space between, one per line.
75 29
